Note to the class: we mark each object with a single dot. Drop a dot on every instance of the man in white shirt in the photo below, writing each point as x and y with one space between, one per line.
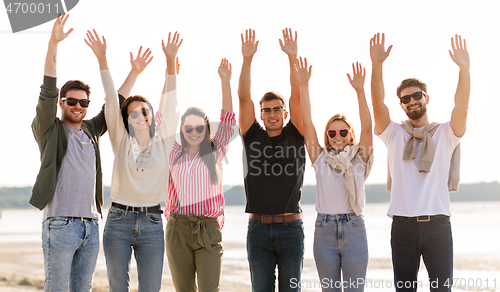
421 161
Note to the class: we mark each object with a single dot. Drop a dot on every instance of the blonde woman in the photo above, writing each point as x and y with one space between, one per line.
340 245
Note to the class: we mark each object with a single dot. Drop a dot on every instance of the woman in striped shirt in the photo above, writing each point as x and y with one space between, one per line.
195 205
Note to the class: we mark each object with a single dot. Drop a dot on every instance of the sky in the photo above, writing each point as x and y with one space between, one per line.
331 34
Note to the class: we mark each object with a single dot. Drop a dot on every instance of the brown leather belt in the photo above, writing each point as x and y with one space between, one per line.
276 218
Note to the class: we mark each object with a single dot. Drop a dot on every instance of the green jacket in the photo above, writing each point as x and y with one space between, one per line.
52 137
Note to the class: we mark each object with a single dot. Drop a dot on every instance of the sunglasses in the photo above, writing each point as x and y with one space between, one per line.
276 109
71 101
332 133
189 128
134 114
416 96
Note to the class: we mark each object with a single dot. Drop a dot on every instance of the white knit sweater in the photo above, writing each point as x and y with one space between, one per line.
147 184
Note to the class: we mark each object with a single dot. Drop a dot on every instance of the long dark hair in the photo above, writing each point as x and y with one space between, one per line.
126 103
207 146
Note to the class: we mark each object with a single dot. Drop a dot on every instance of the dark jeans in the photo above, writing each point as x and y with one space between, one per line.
433 241
280 244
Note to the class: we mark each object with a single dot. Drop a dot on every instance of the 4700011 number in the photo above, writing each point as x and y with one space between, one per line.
471 283
33 8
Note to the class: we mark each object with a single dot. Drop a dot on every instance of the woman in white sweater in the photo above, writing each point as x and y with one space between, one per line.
140 169
342 166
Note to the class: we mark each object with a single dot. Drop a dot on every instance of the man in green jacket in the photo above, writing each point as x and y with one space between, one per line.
68 187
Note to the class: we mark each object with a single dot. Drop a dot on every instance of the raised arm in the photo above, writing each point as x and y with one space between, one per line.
460 56
247 110
46 108
289 46
378 55
98 46
56 36
303 74
168 102
225 130
366 136
225 77
114 121
177 68
140 63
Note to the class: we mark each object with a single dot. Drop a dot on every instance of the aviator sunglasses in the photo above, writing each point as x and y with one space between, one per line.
332 133
416 96
71 101
134 114
190 128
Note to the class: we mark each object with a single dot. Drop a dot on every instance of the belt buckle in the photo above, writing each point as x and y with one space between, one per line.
264 216
137 209
424 220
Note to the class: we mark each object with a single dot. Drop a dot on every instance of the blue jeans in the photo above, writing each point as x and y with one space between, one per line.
141 232
274 244
340 246
70 249
433 241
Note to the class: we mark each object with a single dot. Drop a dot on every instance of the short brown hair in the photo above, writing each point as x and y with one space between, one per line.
410 82
74 85
271 95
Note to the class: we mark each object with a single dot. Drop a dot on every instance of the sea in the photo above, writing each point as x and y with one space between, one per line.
475 227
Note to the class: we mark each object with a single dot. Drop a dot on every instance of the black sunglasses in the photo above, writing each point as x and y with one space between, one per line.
199 128
134 114
416 96
71 101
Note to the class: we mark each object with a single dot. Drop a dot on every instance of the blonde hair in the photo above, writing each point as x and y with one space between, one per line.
339 117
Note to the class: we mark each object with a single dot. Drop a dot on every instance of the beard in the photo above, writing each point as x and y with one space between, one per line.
68 116
415 115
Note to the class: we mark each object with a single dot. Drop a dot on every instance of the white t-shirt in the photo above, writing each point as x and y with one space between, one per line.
332 196
414 193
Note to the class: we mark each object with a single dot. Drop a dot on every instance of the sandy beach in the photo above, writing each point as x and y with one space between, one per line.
476 251
21 269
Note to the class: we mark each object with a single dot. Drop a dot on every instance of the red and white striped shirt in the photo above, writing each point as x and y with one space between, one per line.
189 188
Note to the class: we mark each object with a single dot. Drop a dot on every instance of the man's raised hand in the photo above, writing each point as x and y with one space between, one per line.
378 53
460 55
248 43
289 44
58 33
302 72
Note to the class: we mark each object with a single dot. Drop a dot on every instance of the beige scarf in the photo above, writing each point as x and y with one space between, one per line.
427 153
343 162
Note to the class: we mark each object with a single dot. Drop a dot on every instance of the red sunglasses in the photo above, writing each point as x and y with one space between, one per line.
189 128
332 133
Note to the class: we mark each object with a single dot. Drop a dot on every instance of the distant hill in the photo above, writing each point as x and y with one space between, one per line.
235 195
